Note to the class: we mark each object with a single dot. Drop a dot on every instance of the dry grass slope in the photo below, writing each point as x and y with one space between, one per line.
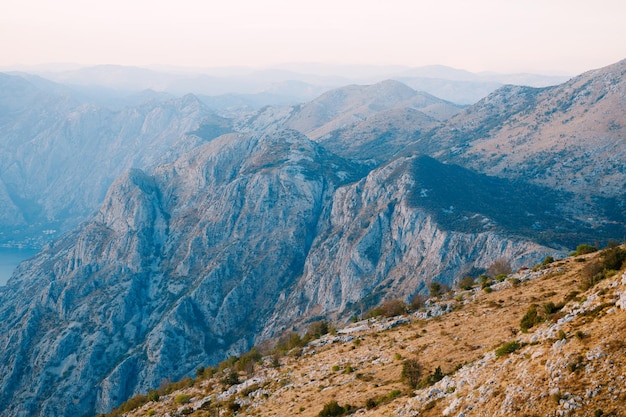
573 363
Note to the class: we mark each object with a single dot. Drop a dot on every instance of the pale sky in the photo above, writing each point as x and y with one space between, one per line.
562 36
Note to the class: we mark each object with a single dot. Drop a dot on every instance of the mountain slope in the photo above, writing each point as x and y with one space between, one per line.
570 363
570 136
207 255
366 122
347 106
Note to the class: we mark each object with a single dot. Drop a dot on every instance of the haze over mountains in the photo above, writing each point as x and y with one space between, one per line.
217 233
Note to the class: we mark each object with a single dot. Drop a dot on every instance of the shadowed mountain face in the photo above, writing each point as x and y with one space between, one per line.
222 242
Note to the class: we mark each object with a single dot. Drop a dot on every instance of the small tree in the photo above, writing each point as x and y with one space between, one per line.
530 318
392 308
317 329
411 372
418 301
500 266
466 283
438 289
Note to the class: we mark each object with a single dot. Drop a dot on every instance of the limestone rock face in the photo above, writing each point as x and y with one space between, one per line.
179 267
377 244
58 156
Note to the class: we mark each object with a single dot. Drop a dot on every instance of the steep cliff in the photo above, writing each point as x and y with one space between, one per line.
177 268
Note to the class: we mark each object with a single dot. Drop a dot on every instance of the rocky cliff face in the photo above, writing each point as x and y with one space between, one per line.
201 257
58 156
177 268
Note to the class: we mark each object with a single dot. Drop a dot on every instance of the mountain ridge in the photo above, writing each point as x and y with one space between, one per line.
226 239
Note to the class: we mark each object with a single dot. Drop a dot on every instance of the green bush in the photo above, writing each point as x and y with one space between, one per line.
231 378
550 308
583 249
332 409
432 378
501 277
507 348
182 399
153 395
613 259
438 289
530 318
317 329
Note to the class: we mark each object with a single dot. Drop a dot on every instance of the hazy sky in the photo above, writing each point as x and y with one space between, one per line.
567 36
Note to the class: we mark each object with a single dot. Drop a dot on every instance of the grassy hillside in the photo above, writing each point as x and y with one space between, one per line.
544 341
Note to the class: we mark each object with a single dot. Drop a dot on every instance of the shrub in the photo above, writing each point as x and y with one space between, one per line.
411 372
331 409
418 301
591 274
583 249
501 277
394 394
550 308
432 378
288 341
500 266
231 378
466 283
133 403
182 399
247 361
438 289
547 260
613 258
507 348
317 329
153 395
233 406
515 281
392 308
530 318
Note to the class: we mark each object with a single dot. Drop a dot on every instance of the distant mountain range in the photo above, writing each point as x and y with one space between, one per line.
289 84
215 234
